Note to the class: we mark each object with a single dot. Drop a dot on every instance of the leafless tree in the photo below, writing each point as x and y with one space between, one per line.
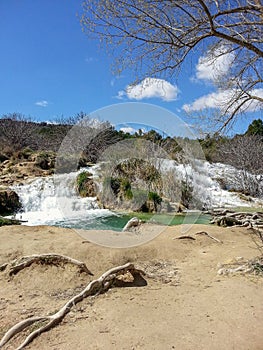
157 37
245 154
16 131
86 140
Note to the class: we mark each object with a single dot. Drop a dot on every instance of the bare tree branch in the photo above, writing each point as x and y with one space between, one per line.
157 37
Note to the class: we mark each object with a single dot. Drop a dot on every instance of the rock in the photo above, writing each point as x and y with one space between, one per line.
133 222
90 188
45 160
9 202
3 158
34 164
181 208
147 207
86 187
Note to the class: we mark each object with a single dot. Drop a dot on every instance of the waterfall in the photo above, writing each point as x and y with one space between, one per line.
206 179
54 201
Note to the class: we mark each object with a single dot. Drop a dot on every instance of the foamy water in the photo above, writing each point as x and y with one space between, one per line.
54 200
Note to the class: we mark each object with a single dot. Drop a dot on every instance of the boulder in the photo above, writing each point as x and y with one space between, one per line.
90 188
45 160
9 202
147 207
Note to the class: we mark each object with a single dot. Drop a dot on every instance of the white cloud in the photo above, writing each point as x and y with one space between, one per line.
220 98
150 88
42 103
214 64
211 67
212 100
129 130
121 94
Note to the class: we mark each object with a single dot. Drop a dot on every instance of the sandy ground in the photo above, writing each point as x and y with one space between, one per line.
185 304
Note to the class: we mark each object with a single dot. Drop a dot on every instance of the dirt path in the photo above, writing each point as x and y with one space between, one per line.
187 305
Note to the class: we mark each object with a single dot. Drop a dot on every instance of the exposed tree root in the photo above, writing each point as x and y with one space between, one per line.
198 233
185 237
250 266
240 219
100 285
208 235
50 259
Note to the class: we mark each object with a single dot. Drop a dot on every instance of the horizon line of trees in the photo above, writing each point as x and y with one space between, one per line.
18 132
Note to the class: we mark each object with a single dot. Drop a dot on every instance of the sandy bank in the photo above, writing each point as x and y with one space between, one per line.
187 305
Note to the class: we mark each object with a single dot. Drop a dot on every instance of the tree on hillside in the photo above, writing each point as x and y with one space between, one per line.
16 131
211 145
255 128
157 37
153 136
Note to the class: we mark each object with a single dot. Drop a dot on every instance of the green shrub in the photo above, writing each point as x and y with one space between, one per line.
26 153
85 185
157 200
4 221
119 186
128 194
153 196
125 188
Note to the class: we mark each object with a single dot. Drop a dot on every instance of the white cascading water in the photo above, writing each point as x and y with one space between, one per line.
53 200
205 179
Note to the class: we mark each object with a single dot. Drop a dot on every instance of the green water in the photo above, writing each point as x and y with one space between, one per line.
117 221
248 209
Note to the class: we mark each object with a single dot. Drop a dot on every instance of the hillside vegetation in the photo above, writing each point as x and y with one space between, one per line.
29 149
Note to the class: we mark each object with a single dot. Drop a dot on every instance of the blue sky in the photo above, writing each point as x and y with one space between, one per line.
49 68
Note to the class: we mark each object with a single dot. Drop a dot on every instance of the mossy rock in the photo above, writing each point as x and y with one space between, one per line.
86 187
118 193
121 187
